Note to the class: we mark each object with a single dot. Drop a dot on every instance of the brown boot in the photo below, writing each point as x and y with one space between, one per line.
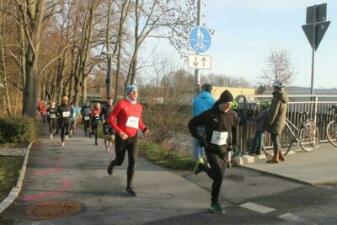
273 160
280 155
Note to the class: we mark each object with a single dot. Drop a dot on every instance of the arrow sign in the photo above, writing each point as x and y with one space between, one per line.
320 29
202 62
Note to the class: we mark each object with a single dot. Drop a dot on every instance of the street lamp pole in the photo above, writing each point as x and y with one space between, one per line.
196 71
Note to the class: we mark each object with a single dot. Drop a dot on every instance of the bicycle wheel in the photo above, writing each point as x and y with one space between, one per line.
287 141
309 137
331 133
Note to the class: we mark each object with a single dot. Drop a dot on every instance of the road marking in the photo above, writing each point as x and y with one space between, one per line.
291 217
256 207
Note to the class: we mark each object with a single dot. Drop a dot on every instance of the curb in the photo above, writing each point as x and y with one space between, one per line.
248 159
14 193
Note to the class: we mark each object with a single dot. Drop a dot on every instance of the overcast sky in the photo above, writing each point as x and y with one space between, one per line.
246 31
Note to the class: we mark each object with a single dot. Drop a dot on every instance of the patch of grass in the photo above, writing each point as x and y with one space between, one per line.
166 157
9 172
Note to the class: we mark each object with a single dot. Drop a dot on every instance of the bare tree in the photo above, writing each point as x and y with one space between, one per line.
278 67
165 17
3 69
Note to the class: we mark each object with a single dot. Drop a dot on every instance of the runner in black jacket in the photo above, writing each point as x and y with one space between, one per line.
85 112
221 133
51 117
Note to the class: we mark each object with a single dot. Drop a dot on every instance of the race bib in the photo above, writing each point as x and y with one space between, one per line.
66 114
219 138
86 117
132 122
52 116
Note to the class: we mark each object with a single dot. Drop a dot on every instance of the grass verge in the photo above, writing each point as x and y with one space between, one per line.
9 172
166 157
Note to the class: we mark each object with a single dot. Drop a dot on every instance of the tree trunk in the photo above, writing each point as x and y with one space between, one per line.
3 69
84 89
34 13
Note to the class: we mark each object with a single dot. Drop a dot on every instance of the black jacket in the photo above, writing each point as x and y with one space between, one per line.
64 112
105 112
51 113
215 121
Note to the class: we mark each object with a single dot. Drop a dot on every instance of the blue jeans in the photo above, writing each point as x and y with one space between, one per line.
257 143
198 150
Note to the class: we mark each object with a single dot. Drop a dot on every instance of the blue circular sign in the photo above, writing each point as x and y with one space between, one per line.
200 39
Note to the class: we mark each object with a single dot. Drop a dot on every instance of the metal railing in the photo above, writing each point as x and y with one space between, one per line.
315 105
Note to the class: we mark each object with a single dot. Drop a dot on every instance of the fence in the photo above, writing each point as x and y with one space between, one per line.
315 105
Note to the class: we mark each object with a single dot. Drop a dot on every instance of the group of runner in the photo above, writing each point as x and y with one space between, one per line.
124 120
61 119
214 126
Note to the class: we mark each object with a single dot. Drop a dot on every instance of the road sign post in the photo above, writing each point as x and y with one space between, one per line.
315 28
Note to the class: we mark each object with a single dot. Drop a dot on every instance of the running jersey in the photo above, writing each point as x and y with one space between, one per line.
127 117
51 112
95 113
64 112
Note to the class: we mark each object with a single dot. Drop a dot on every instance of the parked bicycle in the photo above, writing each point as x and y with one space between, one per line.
331 129
306 135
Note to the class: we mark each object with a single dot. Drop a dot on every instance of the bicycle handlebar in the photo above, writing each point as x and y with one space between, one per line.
303 116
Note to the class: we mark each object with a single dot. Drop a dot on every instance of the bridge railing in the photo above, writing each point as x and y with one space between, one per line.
315 105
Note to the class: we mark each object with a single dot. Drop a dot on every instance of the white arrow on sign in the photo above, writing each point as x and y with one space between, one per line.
202 62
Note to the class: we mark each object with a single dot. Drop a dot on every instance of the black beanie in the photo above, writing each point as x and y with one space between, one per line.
225 96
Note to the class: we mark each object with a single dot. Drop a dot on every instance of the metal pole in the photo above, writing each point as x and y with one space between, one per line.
312 71
196 71
313 54
108 77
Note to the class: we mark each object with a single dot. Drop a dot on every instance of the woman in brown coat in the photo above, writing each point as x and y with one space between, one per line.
277 119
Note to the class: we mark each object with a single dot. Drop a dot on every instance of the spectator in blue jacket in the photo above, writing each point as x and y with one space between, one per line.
201 103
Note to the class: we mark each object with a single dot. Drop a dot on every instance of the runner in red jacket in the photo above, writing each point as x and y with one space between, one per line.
126 119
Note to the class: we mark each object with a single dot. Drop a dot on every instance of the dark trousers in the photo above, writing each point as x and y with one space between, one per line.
94 128
64 130
275 138
216 172
52 123
121 146
86 124
257 142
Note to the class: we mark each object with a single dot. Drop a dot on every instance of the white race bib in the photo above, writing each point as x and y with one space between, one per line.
132 122
86 117
52 116
66 114
219 138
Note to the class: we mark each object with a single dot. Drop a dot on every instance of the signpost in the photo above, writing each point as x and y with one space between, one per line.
200 41
199 62
315 28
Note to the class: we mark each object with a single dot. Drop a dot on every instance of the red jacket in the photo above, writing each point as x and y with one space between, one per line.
95 112
127 117
42 108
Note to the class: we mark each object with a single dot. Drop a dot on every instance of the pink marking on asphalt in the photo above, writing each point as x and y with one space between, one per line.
66 185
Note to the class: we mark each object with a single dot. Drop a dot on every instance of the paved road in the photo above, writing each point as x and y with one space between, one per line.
78 172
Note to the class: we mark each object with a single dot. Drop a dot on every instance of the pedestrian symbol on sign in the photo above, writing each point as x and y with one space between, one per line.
200 39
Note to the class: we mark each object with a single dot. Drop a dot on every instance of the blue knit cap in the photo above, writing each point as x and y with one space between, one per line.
131 87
